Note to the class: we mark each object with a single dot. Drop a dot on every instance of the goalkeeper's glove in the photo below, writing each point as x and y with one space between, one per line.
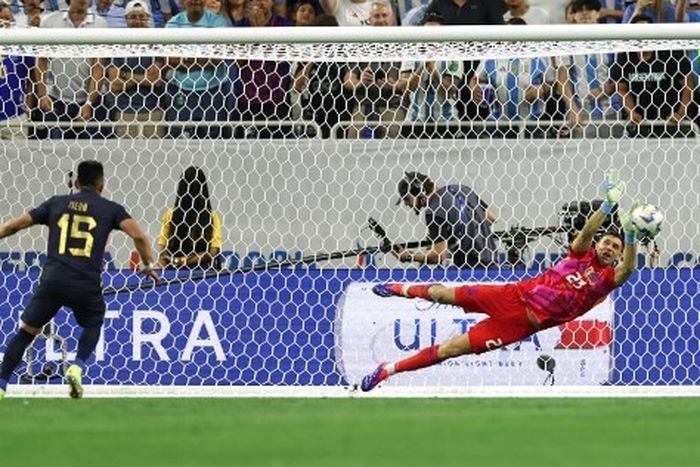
626 223
614 190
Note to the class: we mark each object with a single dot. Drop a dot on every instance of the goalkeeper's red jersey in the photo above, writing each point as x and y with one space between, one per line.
568 289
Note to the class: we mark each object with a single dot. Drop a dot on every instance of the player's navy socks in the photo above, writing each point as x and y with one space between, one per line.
86 345
13 353
424 357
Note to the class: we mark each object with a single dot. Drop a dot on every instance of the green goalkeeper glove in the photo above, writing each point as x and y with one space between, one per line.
614 189
626 223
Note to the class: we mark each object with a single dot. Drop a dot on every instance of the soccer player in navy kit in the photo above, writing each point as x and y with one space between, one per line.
79 225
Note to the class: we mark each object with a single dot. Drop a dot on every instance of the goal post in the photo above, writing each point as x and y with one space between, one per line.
302 135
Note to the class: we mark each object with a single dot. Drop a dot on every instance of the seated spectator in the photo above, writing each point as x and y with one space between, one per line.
113 14
469 12
654 85
692 7
265 83
584 79
68 88
348 12
530 14
236 10
611 11
219 7
415 16
281 9
190 234
373 86
569 16
30 14
135 84
14 84
161 12
433 88
659 11
305 14
7 18
200 90
322 98
514 89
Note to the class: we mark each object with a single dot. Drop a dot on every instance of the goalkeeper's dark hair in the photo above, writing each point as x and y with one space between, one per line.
613 232
90 173
191 224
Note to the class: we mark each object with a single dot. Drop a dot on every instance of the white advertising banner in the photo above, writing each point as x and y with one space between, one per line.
371 329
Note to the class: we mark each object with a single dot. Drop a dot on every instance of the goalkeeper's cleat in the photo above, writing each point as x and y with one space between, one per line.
388 290
371 381
74 377
2 393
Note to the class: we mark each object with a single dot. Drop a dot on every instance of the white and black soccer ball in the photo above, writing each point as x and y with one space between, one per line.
647 219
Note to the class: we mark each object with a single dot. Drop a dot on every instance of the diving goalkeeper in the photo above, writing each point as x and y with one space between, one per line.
560 294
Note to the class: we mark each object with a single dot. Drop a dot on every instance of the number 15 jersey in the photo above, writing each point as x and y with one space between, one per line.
79 226
568 289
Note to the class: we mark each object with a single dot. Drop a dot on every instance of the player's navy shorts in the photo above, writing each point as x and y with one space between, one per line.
87 304
508 320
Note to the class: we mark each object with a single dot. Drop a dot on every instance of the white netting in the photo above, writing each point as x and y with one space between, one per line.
299 152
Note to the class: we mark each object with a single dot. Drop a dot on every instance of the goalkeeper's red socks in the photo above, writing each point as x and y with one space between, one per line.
411 291
423 358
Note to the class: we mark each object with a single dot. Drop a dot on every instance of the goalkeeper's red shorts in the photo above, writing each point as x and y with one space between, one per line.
508 319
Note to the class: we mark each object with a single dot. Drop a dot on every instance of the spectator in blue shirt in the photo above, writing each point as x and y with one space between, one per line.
14 74
200 90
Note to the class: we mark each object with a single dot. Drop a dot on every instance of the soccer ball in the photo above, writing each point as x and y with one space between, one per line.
647 220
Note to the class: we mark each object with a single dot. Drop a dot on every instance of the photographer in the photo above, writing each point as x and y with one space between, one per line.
458 220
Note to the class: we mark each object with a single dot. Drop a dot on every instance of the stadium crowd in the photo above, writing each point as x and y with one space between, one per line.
634 92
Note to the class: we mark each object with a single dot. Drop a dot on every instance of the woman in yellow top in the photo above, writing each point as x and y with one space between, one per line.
191 232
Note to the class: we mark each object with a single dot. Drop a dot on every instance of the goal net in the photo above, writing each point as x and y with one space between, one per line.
296 145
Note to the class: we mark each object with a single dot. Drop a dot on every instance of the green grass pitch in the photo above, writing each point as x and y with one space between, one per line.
349 432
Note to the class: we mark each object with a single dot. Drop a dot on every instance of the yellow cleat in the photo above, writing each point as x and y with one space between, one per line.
74 377
2 393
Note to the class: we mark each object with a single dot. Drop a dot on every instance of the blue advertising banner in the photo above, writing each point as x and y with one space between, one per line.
280 327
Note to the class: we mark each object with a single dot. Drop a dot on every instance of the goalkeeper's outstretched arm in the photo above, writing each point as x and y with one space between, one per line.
624 270
613 192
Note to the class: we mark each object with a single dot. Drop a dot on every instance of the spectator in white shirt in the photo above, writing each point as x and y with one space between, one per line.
348 12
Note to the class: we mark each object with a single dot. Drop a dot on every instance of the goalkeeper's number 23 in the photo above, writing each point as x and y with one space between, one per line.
79 227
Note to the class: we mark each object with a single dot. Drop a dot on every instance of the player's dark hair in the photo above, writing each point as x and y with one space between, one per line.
580 5
191 224
90 173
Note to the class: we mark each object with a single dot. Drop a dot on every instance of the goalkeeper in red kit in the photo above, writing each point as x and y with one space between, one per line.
515 311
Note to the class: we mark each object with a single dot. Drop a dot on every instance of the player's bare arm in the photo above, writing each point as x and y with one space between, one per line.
15 225
613 192
142 245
